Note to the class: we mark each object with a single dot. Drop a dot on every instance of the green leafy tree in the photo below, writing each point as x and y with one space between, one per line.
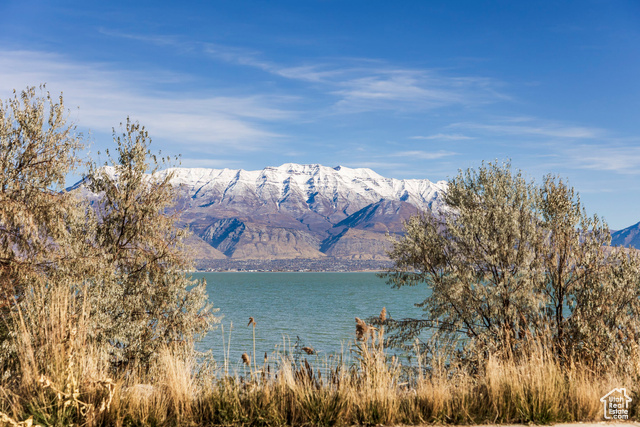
508 262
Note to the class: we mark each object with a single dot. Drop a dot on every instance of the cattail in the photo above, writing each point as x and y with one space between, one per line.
252 321
308 350
383 314
265 357
245 359
362 329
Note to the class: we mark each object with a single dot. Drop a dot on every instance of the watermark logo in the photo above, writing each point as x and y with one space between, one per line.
616 404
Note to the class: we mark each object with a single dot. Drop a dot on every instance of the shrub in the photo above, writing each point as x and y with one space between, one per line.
142 300
508 262
119 263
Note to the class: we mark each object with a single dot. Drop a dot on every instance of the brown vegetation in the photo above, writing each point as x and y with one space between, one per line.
70 384
99 320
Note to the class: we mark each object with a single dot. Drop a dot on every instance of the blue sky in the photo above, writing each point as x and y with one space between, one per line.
410 89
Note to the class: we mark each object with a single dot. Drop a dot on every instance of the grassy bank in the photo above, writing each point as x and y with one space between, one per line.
61 379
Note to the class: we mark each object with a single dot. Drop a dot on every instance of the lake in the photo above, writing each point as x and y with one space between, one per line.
318 309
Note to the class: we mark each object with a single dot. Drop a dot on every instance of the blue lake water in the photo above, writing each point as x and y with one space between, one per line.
317 308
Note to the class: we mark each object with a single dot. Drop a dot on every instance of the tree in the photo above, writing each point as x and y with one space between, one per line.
508 261
115 271
145 300
37 150
591 291
42 227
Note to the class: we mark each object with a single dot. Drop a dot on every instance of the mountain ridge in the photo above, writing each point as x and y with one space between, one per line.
296 211
303 212
628 237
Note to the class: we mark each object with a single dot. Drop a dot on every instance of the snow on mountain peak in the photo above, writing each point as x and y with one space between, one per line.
302 186
296 211
357 187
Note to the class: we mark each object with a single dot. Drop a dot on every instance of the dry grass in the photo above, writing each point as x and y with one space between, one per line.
61 379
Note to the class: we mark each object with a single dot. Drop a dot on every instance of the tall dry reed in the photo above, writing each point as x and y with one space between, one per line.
62 379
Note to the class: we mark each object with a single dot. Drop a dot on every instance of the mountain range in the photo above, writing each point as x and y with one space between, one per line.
304 212
628 237
297 211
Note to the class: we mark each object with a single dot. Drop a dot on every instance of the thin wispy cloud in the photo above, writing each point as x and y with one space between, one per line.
238 56
156 39
310 73
534 128
371 165
424 155
393 90
359 85
364 85
106 96
606 157
189 162
443 137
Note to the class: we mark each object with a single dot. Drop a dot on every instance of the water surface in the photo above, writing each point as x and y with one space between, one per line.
318 309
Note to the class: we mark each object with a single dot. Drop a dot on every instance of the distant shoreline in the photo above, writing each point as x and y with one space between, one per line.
323 265
286 271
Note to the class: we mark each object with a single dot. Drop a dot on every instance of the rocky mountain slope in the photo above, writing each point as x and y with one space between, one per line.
628 237
310 212
299 211
296 211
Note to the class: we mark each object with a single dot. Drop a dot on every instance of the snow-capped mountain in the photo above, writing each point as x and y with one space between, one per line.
298 211
294 188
